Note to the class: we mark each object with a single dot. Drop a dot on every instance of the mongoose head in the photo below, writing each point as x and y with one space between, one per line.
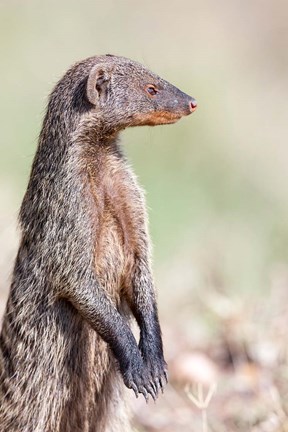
125 93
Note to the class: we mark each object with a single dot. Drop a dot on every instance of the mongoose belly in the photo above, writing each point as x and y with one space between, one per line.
110 257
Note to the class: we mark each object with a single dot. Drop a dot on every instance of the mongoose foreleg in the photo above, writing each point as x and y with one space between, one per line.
93 304
144 307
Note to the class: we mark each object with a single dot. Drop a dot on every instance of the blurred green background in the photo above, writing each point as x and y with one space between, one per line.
216 181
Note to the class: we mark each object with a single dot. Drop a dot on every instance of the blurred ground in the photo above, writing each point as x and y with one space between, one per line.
233 347
216 186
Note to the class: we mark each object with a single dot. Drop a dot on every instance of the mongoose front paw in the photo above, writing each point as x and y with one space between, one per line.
155 364
135 376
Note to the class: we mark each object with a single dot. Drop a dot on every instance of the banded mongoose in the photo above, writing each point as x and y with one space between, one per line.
83 265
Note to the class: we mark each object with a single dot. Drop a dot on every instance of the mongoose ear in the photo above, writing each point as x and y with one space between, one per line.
98 81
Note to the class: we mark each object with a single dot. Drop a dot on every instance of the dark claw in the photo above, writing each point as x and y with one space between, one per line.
155 392
166 375
161 385
145 394
154 386
134 388
152 393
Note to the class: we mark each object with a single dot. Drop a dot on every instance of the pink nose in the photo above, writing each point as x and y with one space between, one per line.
193 105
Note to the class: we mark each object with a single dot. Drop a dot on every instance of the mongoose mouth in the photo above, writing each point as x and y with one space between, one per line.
158 118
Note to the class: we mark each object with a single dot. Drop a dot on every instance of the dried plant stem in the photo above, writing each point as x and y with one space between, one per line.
202 402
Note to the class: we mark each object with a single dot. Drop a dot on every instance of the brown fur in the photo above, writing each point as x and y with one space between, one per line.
83 264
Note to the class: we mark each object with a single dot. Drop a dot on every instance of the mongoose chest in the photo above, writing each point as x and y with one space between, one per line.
120 225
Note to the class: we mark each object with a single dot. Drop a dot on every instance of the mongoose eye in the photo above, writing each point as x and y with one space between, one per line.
152 90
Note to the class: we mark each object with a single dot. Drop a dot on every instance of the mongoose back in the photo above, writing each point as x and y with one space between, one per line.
83 265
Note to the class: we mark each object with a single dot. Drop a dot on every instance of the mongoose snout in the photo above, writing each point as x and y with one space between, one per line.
193 105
